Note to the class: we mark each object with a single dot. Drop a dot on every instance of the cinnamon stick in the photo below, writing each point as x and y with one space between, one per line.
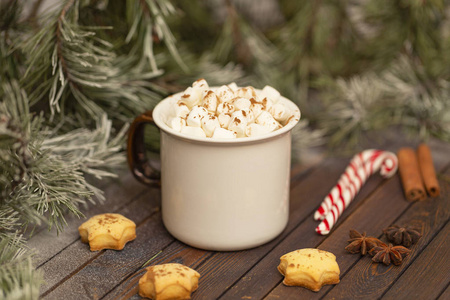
408 168
427 170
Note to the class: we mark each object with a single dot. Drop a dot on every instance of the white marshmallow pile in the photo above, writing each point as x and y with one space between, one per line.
228 112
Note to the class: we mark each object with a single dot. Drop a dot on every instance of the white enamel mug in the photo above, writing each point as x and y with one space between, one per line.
218 194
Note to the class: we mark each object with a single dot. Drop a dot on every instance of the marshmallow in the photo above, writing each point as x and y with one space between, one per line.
280 112
201 87
248 114
246 92
196 115
229 111
266 119
267 104
177 123
238 123
256 108
192 97
210 101
222 133
209 124
224 120
241 103
254 129
193 131
225 108
241 114
233 86
201 84
180 110
292 118
225 94
270 93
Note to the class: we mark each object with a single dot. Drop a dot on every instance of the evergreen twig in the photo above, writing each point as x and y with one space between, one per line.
401 95
18 278
42 176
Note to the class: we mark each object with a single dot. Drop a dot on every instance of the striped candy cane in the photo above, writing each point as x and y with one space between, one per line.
352 177
356 174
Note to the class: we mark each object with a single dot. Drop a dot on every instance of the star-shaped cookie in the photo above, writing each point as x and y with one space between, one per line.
107 231
310 268
168 281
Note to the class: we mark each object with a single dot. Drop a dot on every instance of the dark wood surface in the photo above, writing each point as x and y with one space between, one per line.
72 271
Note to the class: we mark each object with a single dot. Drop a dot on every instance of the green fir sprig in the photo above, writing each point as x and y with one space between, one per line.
80 75
43 176
19 280
402 96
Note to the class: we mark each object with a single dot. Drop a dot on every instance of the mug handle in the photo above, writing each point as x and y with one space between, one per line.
136 155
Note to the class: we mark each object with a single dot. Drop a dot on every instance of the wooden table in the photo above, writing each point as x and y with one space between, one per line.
71 271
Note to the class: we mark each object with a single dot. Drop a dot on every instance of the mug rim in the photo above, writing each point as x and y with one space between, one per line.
161 124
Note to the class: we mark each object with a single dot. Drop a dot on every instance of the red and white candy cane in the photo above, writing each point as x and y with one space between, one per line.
356 174
353 177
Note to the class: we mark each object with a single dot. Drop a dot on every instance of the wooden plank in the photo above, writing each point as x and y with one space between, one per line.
119 193
75 257
370 217
429 275
228 276
176 252
446 294
222 270
260 251
251 282
107 270
261 279
258 281
305 237
367 281
77 254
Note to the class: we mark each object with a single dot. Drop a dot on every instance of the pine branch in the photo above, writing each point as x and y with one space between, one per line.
244 44
10 27
352 108
148 25
18 278
412 28
95 151
241 42
32 16
81 74
43 176
422 104
403 95
318 40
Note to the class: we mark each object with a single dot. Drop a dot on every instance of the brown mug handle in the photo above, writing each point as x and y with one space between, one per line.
136 155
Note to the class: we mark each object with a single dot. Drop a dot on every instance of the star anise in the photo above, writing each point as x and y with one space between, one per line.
388 253
405 236
360 242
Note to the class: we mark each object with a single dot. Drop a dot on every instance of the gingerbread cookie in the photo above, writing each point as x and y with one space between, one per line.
310 268
168 281
107 231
